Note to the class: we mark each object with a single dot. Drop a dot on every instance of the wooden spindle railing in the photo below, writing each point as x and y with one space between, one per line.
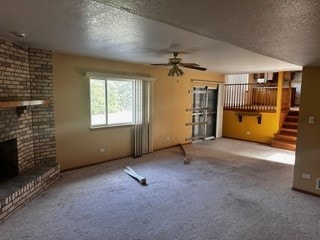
255 97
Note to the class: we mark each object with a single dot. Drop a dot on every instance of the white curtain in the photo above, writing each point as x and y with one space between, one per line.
143 123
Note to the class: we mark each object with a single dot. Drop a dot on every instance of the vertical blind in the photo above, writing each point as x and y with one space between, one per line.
143 123
236 78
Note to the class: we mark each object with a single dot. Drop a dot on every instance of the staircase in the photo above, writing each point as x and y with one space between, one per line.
286 138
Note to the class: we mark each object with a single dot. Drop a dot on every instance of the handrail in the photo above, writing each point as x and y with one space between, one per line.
254 97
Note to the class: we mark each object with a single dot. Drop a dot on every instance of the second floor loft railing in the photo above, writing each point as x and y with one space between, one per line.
255 97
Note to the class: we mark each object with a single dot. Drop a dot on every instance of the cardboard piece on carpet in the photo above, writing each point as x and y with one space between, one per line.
129 170
185 160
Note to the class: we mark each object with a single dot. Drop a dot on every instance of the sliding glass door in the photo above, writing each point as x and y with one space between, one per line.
204 113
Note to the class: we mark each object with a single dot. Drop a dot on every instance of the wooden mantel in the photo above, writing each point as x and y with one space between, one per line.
23 103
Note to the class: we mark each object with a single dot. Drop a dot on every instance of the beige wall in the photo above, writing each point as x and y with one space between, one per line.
308 143
78 146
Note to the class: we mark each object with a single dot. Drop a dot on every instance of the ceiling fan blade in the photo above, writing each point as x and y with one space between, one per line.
161 64
190 64
196 68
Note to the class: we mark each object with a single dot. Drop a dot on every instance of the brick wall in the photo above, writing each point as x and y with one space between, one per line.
26 74
40 67
14 72
15 85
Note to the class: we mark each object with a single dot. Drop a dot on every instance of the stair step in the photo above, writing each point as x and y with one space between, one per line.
293 113
288 145
288 131
292 118
285 137
290 124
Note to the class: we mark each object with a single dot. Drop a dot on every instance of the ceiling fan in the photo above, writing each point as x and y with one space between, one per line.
176 62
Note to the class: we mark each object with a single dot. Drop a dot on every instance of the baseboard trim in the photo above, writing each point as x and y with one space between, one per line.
91 164
306 192
110 160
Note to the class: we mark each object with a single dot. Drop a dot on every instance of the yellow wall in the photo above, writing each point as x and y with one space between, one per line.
308 143
78 146
249 129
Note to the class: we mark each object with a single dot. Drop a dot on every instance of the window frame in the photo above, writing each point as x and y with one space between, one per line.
137 78
105 80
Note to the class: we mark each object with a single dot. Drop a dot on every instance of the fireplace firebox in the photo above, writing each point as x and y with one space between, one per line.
8 160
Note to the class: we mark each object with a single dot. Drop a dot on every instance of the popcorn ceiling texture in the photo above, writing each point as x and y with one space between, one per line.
283 29
147 31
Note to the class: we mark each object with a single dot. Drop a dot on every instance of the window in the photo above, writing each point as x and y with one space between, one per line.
112 102
118 100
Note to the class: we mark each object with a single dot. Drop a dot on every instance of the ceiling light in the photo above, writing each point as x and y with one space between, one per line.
19 34
175 70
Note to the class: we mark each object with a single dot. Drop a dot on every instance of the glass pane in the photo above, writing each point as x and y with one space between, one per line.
98 102
211 125
199 97
120 101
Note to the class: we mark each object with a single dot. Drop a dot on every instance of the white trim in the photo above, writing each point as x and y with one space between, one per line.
221 90
105 80
103 76
97 127
205 81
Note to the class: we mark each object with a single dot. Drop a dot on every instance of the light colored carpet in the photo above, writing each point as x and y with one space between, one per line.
219 195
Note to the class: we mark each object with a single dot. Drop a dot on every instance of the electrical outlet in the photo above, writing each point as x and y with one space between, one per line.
248 133
312 119
318 184
102 150
307 176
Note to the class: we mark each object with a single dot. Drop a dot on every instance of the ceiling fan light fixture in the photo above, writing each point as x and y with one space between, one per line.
175 62
180 71
175 70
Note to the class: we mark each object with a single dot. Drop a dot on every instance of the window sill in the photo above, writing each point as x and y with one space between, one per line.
92 128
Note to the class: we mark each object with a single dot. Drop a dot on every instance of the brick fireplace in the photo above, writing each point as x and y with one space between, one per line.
26 125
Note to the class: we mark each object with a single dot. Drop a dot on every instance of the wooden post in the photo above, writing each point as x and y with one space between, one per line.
279 98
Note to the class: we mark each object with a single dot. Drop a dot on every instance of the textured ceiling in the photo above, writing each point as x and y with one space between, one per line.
284 29
223 35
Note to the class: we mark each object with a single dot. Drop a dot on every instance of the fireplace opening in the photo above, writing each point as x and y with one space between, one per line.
8 160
